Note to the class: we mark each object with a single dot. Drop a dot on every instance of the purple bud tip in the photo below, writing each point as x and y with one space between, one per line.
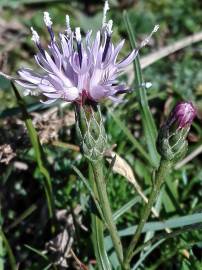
184 113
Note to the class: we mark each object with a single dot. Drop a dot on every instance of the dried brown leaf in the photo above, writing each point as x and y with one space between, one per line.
123 168
6 154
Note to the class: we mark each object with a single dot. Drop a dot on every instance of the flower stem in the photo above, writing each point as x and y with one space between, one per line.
98 232
161 174
97 167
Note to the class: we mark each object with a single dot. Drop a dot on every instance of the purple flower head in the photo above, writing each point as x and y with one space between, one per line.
74 69
183 114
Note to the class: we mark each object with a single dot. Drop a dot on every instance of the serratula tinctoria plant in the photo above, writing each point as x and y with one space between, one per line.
84 71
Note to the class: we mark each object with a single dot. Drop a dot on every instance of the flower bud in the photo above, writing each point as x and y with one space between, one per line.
90 130
171 142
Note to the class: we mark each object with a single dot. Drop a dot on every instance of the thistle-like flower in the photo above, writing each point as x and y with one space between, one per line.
74 68
171 142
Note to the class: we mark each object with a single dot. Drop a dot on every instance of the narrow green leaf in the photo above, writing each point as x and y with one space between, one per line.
114 261
48 266
85 181
9 251
1 254
97 236
38 150
178 222
38 252
99 248
165 236
144 256
147 118
23 216
170 223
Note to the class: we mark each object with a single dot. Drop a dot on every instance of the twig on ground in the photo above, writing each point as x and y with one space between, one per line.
163 52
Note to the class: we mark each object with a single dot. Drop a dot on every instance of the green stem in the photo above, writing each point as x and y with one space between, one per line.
147 118
161 174
98 233
97 167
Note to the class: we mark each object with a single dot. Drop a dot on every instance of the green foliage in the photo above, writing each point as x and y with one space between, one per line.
150 131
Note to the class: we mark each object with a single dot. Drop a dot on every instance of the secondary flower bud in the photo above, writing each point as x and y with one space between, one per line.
171 142
184 114
90 130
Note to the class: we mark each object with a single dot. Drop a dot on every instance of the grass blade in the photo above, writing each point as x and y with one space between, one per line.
85 181
144 256
48 266
1 254
147 118
98 243
170 223
38 252
98 233
11 256
174 223
20 218
165 236
38 150
97 224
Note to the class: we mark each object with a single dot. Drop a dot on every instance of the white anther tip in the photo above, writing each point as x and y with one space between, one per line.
105 9
67 22
35 36
156 28
109 27
47 19
78 34
106 6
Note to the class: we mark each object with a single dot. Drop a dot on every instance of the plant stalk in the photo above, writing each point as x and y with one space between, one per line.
160 176
97 167
98 232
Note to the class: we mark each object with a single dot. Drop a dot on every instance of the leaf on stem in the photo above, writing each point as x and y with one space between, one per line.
11 257
147 118
85 181
38 150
